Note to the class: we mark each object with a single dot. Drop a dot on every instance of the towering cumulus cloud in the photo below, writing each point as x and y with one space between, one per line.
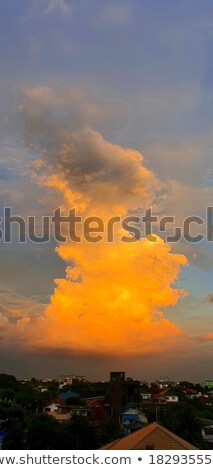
110 299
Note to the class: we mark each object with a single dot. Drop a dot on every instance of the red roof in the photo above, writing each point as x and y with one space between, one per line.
57 401
190 391
204 399
151 435
159 395
98 412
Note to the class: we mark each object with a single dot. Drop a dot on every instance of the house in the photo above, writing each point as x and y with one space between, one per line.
159 399
146 396
79 410
131 418
74 410
154 436
207 433
131 413
191 393
97 408
171 396
205 400
57 406
165 397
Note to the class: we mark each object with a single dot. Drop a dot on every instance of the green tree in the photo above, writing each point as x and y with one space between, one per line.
15 437
9 381
76 401
7 394
43 433
183 421
83 435
28 398
188 425
110 431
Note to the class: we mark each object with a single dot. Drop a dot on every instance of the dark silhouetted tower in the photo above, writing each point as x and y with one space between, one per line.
117 393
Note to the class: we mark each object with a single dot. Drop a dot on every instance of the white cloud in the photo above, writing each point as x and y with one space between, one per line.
57 6
115 13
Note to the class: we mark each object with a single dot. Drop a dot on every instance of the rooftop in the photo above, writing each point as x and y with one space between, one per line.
151 435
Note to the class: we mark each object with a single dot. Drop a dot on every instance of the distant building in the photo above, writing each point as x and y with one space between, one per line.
47 379
164 383
68 379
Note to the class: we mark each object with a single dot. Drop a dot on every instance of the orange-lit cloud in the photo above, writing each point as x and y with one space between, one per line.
207 337
110 301
111 298
98 177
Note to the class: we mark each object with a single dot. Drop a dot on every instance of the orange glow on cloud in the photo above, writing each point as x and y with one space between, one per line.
110 301
207 337
115 307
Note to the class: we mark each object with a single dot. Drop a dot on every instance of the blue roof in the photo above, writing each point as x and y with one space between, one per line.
127 419
68 394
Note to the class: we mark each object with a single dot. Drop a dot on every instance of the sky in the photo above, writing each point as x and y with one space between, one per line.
106 107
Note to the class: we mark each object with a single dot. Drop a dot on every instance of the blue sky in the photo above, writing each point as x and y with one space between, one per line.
150 59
